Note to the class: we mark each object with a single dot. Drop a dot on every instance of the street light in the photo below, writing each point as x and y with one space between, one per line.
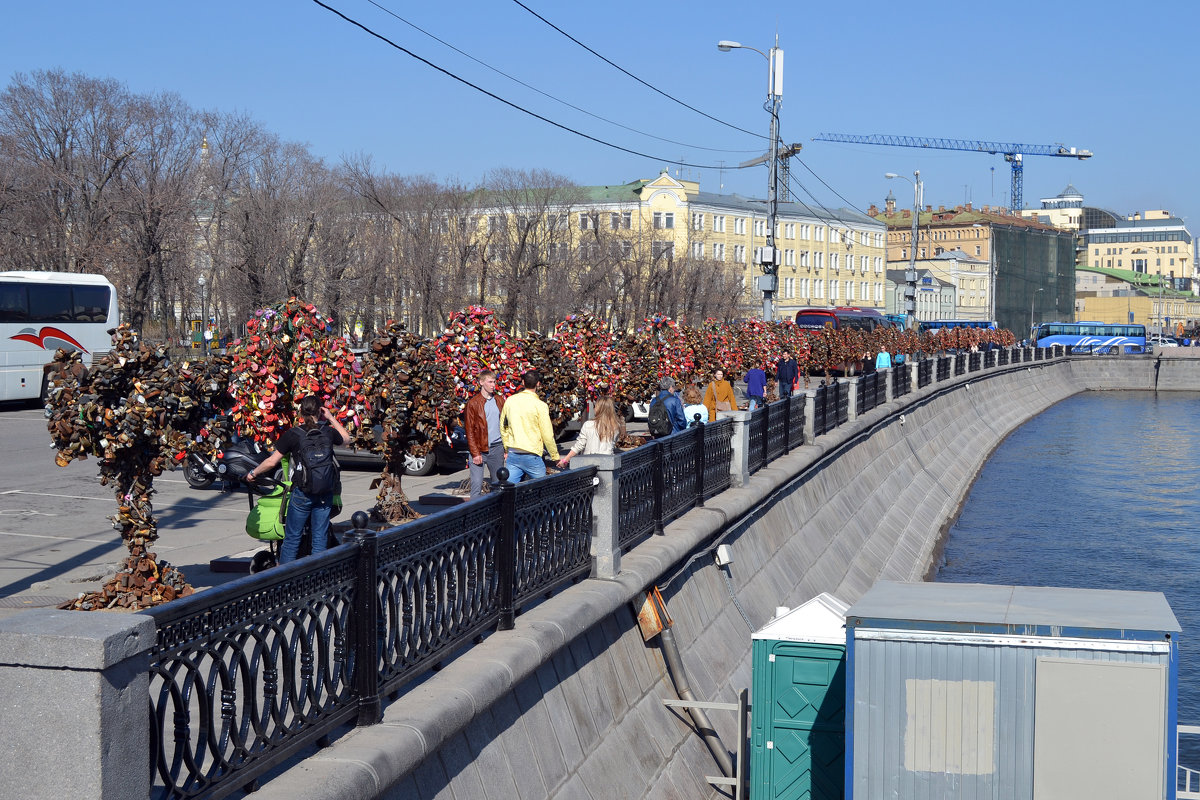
770 258
1032 300
910 293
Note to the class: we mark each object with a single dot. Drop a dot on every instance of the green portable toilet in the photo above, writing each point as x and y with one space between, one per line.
798 702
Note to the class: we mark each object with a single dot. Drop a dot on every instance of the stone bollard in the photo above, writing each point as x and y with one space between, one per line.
73 721
810 415
889 392
739 463
914 374
852 388
606 514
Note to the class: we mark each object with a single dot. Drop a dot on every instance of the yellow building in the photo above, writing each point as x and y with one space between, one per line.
1120 296
835 258
1149 243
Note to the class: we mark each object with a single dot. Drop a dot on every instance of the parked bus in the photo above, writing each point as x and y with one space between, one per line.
938 324
1092 337
863 319
41 312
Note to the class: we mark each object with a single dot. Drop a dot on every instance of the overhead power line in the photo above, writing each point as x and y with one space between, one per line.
621 69
509 103
532 88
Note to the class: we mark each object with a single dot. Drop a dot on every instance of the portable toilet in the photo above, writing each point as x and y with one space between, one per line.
798 699
965 690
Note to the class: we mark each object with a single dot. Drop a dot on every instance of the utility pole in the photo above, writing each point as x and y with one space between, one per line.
770 259
910 277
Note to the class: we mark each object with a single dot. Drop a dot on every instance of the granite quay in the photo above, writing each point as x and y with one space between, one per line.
527 600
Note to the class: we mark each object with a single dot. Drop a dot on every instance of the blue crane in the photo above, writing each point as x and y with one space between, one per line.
1013 153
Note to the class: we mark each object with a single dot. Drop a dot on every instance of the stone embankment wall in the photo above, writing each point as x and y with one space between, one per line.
569 705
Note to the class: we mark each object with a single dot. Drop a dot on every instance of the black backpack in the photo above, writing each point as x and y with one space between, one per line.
659 421
316 469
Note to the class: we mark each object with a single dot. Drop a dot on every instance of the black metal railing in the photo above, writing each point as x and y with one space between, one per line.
718 455
795 421
872 391
974 362
244 676
756 452
775 443
636 497
925 371
901 379
943 368
960 363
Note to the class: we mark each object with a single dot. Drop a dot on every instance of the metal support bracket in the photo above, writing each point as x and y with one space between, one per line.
742 709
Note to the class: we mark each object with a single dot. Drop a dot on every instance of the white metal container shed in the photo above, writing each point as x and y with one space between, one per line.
968 690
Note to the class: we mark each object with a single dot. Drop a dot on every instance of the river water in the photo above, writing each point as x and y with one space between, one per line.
1101 491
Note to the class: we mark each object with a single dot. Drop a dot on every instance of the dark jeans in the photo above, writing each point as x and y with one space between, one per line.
302 509
493 459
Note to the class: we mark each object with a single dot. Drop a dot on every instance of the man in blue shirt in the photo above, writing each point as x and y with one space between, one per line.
756 387
787 371
670 400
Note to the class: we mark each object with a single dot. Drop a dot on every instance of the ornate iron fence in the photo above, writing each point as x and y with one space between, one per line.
244 676
718 455
960 363
925 371
680 457
756 453
775 443
1002 357
901 379
989 358
796 421
943 368
974 362
872 391
641 471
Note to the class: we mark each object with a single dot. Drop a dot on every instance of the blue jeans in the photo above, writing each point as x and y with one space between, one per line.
302 509
524 464
756 400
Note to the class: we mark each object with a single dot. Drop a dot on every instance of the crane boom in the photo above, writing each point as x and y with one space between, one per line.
1013 152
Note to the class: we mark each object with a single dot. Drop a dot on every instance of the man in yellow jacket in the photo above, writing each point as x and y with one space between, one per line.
526 430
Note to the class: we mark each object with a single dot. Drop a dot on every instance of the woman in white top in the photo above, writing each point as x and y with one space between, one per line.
598 435
693 404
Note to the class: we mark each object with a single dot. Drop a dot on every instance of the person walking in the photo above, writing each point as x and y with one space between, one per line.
526 431
694 409
598 436
315 476
718 395
483 433
670 403
787 372
756 385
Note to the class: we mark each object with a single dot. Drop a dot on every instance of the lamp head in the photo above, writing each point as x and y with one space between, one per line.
890 175
725 45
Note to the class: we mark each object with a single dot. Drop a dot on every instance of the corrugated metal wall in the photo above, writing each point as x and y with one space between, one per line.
937 719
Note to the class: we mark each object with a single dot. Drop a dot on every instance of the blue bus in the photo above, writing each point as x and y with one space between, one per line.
938 324
1092 337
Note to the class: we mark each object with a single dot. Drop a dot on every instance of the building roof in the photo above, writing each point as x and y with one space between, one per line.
960 216
736 202
624 193
1070 191
957 255
1138 280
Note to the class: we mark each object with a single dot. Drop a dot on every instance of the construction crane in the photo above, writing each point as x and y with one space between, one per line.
1013 153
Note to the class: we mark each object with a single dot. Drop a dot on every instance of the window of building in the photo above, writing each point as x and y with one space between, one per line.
978 250
589 251
805 231
698 250
864 291
697 222
739 225
819 260
789 287
850 290
878 264
621 220
739 253
587 221
558 252
879 293
789 258
820 233
719 224
818 288
835 288
496 223
789 230
663 249
804 258
719 251
664 220
834 261
622 249
556 222
760 227
804 283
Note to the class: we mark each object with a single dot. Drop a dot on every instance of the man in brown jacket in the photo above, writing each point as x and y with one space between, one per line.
483 432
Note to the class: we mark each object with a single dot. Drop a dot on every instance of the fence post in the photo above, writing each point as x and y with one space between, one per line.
914 374
810 415
506 551
76 704
787 424
659 488
852 387
699 429
606 514
739 442
366 621
889 375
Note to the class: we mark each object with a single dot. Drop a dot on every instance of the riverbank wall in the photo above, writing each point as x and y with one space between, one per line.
570 704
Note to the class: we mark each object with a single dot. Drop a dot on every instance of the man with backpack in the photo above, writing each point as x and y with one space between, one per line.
315 476
666 411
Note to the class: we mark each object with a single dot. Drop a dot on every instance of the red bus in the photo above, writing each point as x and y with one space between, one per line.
862 319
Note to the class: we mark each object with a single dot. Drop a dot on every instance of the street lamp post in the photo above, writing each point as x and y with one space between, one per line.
910 291
1032 300
770 257
203 307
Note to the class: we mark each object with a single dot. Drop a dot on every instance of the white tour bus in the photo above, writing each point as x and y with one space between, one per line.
41 312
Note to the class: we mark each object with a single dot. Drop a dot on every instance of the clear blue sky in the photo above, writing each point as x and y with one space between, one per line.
1115 78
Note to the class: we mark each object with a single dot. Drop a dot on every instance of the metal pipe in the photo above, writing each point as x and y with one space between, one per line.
678 674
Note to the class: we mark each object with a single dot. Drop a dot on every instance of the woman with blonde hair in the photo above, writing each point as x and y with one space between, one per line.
598 435
693 405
